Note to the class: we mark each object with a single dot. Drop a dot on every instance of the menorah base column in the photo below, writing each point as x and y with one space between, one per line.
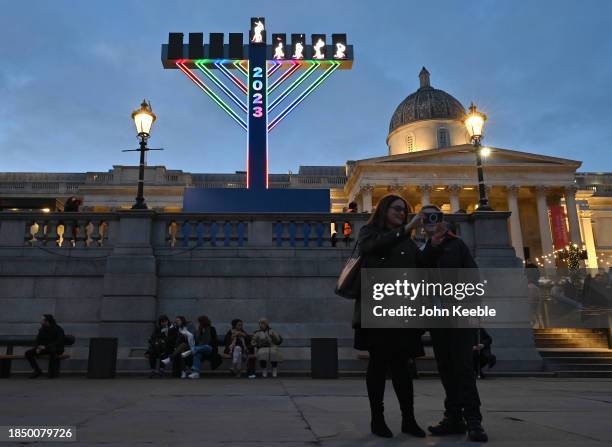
242 200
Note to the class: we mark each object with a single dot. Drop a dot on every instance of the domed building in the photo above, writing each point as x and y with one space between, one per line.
431 160
427 119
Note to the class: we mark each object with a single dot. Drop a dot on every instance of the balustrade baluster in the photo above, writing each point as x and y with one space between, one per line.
241 229
306 233
51 233
80 233
319 230
227 234
200 233
69 233
292 233
213 234
89 230
172 230
278 231
93 233
104 229
186 231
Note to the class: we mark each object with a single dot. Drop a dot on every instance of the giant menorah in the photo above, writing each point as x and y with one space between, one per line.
258 86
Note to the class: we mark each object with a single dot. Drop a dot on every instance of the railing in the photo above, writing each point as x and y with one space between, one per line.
182 230
56 230
158 230
203 231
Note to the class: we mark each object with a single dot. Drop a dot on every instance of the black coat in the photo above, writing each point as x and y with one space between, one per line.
381 248
52 337
453 253
159 342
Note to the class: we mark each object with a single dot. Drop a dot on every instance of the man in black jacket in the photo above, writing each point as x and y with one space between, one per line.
453 348
49 341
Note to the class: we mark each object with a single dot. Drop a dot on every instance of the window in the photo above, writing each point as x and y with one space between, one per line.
443 139
409 143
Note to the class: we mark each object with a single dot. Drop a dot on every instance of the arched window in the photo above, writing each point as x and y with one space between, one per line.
443 138
409 143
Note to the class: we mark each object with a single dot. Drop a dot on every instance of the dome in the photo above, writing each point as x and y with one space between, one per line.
425 104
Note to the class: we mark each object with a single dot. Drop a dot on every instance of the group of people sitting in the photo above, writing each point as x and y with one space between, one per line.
175 345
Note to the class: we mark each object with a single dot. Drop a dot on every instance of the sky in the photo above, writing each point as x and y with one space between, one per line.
71 72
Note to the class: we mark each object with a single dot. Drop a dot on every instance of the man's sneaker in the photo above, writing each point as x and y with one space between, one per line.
251 376
194 375
186 354
184 375
264 373
274 372
476 433
166 361
447 427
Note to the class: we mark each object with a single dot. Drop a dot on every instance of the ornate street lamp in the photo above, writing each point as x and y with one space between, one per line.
143 119
474 123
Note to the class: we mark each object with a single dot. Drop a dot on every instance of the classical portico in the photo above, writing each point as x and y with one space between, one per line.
522 183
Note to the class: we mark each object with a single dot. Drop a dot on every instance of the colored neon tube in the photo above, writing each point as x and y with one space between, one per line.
201 64
180 64
303 95
237 81
294 85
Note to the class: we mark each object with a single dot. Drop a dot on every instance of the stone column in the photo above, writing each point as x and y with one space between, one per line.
544 223
129 302
366 198
454 197
516 348
515 222
589 240
572 214
425 194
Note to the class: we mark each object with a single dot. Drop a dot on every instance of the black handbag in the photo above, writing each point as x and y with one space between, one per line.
349 281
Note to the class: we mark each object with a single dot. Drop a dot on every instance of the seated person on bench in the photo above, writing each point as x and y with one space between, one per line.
49 341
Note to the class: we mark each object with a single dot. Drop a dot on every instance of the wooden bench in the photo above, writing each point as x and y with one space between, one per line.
11 341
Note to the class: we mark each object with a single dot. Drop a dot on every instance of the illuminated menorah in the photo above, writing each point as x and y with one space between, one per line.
257 81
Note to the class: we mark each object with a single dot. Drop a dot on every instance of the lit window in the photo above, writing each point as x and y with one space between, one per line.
443 140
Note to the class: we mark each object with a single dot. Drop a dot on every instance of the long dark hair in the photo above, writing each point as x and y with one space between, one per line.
379 218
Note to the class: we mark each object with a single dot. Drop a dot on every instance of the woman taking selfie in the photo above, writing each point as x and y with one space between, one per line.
385 242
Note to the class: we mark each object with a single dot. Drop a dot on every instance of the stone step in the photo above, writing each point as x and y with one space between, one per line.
580 360
565 330
584 374
604 353
581 366
572 344
570 337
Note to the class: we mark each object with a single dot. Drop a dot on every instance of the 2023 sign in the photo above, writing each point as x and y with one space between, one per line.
257 86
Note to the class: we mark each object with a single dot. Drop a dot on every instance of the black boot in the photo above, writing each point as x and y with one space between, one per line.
410 426
476 433
379 426
35 374
447 426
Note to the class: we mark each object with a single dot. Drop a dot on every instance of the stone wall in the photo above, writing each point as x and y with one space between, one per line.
114 273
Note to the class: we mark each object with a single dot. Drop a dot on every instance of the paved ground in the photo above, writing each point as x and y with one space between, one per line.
298 411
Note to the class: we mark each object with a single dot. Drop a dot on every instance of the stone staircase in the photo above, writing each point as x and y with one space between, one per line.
575 352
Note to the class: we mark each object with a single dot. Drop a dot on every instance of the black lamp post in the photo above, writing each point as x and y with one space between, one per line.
474 122
143 119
